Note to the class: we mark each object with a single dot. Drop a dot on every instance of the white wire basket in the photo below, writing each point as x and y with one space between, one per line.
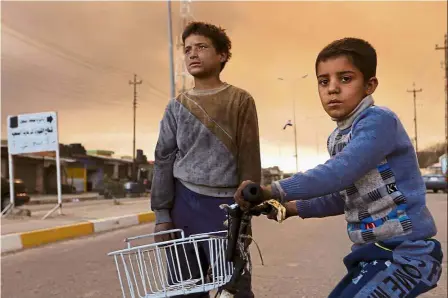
174 267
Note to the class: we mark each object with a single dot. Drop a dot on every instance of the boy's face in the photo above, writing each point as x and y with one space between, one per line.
342 86
201 57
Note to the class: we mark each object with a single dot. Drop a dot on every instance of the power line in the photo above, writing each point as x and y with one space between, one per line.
414 91
72 88
67 91
70 56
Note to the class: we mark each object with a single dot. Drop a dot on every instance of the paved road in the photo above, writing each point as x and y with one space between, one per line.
302 259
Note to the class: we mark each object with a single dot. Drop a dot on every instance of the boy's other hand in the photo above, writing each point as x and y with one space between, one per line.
291 210
161 228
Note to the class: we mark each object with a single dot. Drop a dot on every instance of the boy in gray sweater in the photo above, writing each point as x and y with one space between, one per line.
208 145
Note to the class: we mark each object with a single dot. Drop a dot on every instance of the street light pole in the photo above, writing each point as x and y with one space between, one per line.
295 128
294 119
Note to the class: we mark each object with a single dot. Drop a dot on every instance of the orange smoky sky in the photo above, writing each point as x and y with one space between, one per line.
77 58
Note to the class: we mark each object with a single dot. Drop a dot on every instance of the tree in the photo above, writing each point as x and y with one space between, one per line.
430 155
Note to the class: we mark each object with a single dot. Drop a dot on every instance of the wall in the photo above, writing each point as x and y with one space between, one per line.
76 176
40 182
26 170
4 167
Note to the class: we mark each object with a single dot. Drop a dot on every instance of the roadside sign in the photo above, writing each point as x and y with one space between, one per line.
32 133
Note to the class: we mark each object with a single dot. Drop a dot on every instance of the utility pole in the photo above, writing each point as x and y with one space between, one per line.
181 70
415 114
445 47
135 83
171 53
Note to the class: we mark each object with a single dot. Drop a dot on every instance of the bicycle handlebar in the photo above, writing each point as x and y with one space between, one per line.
253 193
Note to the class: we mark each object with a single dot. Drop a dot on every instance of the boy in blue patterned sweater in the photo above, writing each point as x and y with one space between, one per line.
372 177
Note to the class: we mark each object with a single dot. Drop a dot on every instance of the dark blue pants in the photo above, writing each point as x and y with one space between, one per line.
195 214
381 271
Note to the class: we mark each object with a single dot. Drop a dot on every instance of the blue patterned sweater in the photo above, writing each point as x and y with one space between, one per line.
372 176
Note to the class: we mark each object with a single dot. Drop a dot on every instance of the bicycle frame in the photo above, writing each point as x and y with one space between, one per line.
237 233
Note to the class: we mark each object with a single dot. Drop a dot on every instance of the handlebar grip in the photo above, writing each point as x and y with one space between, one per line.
253 193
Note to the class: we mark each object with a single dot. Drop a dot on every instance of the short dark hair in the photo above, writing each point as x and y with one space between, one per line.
217 35
358 51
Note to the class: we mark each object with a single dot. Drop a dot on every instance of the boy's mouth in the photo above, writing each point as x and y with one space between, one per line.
334 102
196 63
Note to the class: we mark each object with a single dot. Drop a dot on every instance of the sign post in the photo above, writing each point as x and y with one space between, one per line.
58 183
31 133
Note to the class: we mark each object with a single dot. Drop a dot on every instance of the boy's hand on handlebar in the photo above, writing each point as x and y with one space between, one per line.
239 196
244 205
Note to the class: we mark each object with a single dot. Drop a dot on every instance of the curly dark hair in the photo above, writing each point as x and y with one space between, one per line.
217 35
358 51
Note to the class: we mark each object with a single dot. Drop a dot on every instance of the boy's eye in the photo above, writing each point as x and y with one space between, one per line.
186 51
346 79
202 47
323 82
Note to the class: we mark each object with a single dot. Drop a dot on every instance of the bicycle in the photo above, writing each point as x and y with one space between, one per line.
163 269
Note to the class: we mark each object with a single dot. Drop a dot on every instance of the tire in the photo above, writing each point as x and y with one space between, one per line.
435 190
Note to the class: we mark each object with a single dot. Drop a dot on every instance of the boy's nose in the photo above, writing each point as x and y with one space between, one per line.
193 53
333 87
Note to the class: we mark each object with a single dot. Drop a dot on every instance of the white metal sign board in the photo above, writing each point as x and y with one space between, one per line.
29 133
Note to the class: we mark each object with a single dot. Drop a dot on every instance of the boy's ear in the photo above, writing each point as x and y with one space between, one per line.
371 85
223 57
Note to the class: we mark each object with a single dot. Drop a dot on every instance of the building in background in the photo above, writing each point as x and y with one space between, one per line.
36 170
89 171
269 175
81 170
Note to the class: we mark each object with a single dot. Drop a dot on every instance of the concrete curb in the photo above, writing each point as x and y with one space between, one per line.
64 200
19 241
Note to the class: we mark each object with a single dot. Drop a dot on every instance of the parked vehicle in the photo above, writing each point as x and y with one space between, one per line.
135 188
434 179
20 192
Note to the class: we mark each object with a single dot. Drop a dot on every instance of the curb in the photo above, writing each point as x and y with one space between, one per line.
64 200
19 241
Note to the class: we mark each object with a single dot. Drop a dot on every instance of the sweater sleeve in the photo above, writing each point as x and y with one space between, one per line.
329 205
162 190
249 161
373 138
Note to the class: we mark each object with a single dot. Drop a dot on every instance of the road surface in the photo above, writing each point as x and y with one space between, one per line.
303 258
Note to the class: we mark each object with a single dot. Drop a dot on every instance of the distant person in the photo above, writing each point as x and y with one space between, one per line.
372 177
208 145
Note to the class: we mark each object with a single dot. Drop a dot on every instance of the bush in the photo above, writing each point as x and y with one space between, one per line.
430 155
113 188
